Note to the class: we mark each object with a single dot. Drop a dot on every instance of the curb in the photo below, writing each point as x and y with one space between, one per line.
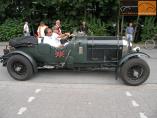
138 45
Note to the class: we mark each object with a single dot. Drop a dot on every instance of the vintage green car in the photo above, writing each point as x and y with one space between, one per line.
24 56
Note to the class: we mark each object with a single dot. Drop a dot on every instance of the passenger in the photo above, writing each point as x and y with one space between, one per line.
41 29
61 37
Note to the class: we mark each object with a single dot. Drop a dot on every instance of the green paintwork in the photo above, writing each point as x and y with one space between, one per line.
80 52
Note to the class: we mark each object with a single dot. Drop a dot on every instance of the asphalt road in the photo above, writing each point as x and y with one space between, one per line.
53 94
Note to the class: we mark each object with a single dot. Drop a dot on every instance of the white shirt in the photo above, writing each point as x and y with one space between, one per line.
48 40
26 28
56 40
52 40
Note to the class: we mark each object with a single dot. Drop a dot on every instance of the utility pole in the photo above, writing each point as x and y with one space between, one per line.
118 18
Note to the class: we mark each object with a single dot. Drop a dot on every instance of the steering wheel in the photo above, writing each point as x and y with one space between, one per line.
70 37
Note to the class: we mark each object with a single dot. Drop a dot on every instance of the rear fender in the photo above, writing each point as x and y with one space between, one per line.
1 58
132 55
34 64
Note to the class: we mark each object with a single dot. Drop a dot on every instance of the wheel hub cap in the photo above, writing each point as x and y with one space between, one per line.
18 69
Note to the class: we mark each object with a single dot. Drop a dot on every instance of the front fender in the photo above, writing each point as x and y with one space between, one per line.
132 55
34 64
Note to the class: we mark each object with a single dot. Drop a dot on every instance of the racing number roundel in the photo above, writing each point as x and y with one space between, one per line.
59 53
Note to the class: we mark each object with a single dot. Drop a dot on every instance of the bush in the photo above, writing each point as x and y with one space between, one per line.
149 29
97 27
68 25
10 29
100 28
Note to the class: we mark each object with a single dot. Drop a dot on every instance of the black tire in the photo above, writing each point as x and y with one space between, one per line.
135 71
19 67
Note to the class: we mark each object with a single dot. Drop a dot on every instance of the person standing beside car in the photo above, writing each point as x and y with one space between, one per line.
41 29
83 28
26 31
58 27
130 32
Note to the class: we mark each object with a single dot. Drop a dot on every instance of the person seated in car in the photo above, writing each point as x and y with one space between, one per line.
62 37
51 40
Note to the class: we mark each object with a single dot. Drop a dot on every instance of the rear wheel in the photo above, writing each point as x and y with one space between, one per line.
135 71
19 67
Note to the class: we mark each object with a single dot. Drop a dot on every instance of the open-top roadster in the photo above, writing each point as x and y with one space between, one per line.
24 56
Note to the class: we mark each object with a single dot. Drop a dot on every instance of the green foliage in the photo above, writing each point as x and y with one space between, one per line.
69 25
96 13
100 28
4 4
97 27
10 29
59 8
149 29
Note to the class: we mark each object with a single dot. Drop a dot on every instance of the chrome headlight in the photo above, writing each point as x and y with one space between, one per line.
136 49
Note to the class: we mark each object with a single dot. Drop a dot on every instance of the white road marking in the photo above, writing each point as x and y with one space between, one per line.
30 99
142 115
22 110
89 103
37 90
135 104
128 94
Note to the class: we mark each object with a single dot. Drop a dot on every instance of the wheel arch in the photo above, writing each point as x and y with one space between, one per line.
130 56
30 59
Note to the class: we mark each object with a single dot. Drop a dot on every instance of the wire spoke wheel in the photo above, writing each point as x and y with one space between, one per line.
19 67
149 44
135 71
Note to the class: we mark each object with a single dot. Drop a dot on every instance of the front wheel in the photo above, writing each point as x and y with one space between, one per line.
19 67
135 71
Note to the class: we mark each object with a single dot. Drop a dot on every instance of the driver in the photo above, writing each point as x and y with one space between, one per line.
53 39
